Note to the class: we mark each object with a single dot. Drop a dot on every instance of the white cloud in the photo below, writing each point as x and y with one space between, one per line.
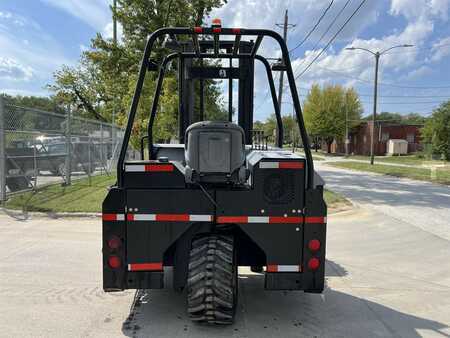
418 73
29 55
16 20
424 8
108 31
12 70
440 49
5 15
95 13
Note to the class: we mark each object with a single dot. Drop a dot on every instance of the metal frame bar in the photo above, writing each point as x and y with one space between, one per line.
237 41
216 45
209 31
196 45
256 45
276 105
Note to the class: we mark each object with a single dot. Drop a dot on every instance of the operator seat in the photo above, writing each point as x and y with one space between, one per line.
215 153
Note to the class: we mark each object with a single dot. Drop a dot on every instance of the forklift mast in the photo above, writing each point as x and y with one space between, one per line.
189 73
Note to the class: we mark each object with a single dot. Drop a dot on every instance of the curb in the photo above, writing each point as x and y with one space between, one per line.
23 215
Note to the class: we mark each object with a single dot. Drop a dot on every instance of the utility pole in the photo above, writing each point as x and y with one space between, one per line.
347 141
285 26
114 23
113 117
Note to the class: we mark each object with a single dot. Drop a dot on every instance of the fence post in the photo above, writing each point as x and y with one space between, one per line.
68 165
102 157
2 152
89 160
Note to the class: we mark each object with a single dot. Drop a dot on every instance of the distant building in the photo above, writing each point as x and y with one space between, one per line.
360 138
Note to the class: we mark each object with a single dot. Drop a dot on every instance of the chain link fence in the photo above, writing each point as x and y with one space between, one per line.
38 148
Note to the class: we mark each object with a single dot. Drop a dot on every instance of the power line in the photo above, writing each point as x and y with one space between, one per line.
313 29
332 39
381 83
267 94
398 96
394 102
325 32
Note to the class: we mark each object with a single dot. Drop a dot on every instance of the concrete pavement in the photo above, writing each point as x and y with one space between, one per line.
385 278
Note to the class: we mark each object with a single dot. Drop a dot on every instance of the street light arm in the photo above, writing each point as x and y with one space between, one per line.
364 49
398 46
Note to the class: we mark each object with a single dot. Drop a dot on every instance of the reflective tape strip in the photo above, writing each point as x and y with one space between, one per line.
291 165
260 219
268 165
316 220
200 218
144 217
232 219
290 220
282 165
135 168
158 167
113 217
289 268
283 268
172 217
220 219
145 266
149 168
169 217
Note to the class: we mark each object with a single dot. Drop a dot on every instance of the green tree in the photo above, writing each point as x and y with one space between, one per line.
50 104
437 131
325 111
411 118
103 82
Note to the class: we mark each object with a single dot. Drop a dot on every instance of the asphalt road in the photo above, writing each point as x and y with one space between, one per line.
386 277
422 204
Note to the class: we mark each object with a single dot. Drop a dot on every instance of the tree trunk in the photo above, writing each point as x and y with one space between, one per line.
329 146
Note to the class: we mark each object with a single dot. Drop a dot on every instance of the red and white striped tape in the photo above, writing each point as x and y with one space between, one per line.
113 217
219 219
145 266
271 219
283 268
169 217
149 168
282 165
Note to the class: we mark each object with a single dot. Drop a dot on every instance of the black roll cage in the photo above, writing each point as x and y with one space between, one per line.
147 64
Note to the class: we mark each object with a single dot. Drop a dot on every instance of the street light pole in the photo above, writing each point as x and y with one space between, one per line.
375 92
374 116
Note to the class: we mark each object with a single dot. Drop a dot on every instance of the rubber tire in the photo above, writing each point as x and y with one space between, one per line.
212 280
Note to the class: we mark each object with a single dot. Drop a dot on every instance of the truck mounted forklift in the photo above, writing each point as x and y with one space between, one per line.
221 198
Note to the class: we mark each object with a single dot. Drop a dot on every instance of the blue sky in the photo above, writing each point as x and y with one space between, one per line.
37 37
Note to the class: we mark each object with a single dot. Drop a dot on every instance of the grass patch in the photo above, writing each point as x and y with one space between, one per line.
82 197
408 159
441 175
79 197
332 198
315 157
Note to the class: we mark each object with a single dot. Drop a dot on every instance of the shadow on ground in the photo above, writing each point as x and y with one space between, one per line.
161 313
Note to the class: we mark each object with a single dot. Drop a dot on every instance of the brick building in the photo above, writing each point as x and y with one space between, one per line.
360 138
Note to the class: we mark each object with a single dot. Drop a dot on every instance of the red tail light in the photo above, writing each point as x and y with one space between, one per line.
114 262
314 245
313 263
114 242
